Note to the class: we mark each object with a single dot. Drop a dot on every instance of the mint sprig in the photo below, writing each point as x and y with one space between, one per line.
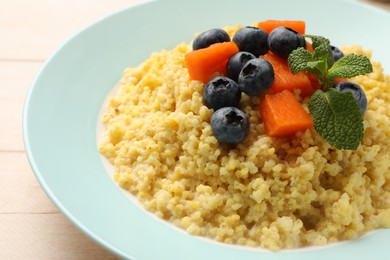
321 62
336 114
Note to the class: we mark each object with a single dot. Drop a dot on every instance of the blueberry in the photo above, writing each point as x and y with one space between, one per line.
209 37
236 62
357 93
282 41
337 53
221 92
229 125
251 39
256 76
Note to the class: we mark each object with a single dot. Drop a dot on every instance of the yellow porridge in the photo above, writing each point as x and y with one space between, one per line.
275 193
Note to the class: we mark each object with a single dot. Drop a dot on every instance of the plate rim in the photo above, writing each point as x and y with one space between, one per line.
25 116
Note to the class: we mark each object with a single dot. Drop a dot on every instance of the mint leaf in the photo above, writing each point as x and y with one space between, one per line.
317 62
302 59
317 40
350 66
322 50
298 59
337 118
321 62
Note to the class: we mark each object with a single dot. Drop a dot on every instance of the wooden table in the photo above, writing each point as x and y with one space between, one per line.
31 227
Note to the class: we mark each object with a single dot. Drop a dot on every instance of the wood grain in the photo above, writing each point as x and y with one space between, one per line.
20 192
383 4
15 79
32 30
45 236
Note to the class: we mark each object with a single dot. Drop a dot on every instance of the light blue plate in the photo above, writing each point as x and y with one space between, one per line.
63 103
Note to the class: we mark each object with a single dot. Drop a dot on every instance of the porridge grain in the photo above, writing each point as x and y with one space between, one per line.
270 192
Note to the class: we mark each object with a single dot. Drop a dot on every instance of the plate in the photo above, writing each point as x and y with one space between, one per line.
62 110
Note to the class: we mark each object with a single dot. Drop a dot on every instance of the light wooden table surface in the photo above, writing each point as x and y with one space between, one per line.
31 227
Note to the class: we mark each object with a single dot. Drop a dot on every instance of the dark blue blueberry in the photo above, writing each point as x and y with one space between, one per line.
337 53
236 62
357 93
229 125
251 39
282 41
221 92
210 37
256 76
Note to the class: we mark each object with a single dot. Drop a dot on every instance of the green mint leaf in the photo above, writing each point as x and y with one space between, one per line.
322 50
324 53
298 59
337 118
350 66
321 62
317 62
301 59
317 40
